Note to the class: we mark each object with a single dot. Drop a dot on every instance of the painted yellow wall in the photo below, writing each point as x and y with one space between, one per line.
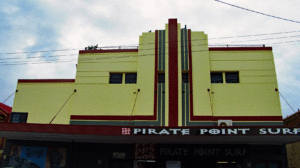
255 94
201 74
43 100
145 75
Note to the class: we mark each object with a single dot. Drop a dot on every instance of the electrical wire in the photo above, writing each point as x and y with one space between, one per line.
45 62
287 102
8 98
137 45
110 56
102 58
258 12
137 92
39 57
62 107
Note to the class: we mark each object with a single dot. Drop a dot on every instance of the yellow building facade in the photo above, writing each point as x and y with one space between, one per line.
163 103
195 90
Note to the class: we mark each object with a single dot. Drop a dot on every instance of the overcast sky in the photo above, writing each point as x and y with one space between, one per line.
29 26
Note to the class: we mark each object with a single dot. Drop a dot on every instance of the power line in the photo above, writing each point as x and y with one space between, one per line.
110 56
8 98
263 39
45 62
137 45
39 57
287 102
257 12
62 107
25 52
102 58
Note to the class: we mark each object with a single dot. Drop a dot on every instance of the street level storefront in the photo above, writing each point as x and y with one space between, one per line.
46 145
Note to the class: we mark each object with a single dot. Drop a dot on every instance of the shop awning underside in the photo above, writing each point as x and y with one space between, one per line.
114 134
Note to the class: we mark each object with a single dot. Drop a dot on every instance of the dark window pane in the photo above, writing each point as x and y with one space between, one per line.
15 118
185 78
161 78
232 77
216 77
130 77
23 118
115 78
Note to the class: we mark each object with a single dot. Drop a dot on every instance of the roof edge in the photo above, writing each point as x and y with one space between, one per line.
107 51
46 80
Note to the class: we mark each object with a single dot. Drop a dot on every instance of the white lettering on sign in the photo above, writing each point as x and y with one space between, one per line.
136 130
164 132
202 131
244 130
287 130
151 131
296 130
211 131
175 131
185 131
262 131
271 132
234 131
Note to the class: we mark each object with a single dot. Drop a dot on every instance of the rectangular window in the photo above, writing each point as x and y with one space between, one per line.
130 78
19 117
232 77
161 78
216 77
115 78
185 77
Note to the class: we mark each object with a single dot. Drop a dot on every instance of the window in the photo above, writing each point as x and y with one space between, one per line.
115 78
185 78
18 117
216 77
130 78
229 77
161 78
232 77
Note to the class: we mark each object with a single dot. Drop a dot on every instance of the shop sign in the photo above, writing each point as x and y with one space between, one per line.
214 131
201 151
119 155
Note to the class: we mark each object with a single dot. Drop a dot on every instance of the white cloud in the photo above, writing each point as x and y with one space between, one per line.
10 9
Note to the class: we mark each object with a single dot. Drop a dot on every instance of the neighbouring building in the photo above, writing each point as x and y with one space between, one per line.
173 101
293 149
4 118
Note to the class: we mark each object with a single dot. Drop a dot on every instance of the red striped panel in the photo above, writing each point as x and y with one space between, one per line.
173 73
45 80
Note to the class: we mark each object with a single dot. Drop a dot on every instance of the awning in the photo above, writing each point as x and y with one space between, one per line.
134 134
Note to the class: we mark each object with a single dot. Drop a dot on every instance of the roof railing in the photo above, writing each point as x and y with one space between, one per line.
113 48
